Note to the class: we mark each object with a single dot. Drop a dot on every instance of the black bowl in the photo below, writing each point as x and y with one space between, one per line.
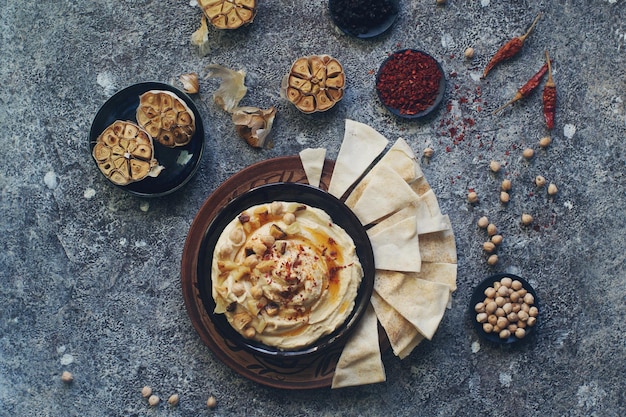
180 163
364 19
436 96
314 197
478 296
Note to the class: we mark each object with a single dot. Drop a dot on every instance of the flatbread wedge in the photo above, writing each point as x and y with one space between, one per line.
439 246
360 147
396 247
313 164
360 362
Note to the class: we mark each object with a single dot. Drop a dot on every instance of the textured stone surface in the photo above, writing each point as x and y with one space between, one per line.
90 274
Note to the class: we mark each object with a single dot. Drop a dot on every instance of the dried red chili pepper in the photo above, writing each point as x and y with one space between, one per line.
549 97
527 88
509 49
409 82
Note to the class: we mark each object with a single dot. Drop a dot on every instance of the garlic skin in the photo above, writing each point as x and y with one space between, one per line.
231 89
200 37
190 83
253 124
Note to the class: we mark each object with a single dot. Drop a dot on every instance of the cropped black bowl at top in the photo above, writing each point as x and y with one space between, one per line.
410 84
180 163
291 192
364 19
478 295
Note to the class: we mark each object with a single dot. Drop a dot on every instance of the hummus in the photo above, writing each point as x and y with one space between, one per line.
284 274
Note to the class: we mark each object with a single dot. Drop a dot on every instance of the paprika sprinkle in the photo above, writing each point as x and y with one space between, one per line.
549 97
410 83
527 88
509 49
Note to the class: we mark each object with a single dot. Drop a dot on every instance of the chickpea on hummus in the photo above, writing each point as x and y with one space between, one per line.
284 274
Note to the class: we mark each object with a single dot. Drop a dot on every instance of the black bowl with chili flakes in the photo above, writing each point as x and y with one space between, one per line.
410 84
364 18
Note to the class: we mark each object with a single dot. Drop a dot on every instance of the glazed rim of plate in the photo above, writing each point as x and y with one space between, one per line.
478 295
314 197
122 106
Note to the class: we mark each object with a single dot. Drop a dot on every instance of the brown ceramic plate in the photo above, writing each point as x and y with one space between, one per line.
301 372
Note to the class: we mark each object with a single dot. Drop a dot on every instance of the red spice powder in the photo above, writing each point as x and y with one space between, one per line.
409 82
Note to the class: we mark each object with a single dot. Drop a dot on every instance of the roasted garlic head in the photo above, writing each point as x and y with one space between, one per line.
166 118
124 153
314 83
229 14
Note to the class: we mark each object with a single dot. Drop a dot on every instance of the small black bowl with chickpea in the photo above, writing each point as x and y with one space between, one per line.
504 309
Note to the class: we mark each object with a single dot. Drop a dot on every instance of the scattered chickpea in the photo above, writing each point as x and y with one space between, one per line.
506 185
492 229
173 400
552 190
146 392
504 197
528 153
211 402
472 197
67 377
154 400
540 181
496 239
441 2
492 260
494 166
483 222
489 247
527 219
428 152
469 53
545 142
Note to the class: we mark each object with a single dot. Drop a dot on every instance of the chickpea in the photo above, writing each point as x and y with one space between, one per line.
528 153
489 247
249 332
512 317
251 261
520 333
502 322
521 324
472 197
507 282
540 181
552 190
492 229
173 400
490 292
496 239
507 307
522 292
500 301
500 312
67 377
276 207
268 240
492 319
211 402
496 285
533 311
496 329
154 400
256 292
146 392
529 299
238 289
531 321
512 327
482 317
237 236
259 248
289 218
492 260
506 185
514 297
527 219
480 307
516 308
469 53
487 327
545 142
516 285
483 222
504 334
503 291
525 307
523 316
504 197
494 166
428 152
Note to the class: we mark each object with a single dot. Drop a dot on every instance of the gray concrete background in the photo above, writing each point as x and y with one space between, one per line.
90 275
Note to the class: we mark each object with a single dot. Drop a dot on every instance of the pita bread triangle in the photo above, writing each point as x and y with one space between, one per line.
396 247
421 302
400 158
439 246
402 335
360 147
386 193
313 164
360 362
